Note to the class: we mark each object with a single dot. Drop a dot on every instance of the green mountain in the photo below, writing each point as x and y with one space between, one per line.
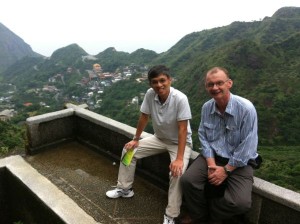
12 48
263 58
112 59
68 56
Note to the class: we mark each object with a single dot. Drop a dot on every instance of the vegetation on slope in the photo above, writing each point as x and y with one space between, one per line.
263 58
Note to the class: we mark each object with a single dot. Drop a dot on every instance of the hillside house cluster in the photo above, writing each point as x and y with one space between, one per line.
7 114
93 84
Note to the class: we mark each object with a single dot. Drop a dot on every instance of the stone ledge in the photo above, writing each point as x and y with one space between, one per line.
276 193
41 187
50 116
106 122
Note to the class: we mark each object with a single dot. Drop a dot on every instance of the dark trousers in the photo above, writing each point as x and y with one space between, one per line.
206 202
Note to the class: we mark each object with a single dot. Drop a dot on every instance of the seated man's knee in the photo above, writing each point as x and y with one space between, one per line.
241 206
185 181
245 206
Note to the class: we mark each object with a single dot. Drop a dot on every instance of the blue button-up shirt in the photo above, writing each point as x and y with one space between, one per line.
232 135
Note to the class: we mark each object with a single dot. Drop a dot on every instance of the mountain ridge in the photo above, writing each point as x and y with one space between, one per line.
12 48
262 57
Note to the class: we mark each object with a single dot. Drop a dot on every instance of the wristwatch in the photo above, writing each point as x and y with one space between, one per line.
136 138
227 171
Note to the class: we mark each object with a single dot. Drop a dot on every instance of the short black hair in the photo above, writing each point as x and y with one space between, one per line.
157 70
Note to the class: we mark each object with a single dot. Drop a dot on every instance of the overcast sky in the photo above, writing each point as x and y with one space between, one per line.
127 25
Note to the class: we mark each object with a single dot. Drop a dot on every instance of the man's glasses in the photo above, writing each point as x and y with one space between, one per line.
218 84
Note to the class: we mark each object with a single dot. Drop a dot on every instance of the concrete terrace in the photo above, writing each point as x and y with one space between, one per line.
85 175
76 152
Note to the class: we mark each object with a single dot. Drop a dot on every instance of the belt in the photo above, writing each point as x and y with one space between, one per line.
221 160
255 163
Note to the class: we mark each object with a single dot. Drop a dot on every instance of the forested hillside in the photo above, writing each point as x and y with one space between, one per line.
263 58
12 48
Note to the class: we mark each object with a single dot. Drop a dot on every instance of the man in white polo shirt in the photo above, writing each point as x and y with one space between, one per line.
170 114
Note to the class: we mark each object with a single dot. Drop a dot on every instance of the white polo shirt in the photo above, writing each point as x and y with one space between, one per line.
166 115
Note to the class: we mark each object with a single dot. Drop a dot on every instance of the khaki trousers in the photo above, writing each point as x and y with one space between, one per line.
151 146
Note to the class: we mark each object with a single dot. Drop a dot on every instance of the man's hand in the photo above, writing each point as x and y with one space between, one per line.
132 144
216 175
176 168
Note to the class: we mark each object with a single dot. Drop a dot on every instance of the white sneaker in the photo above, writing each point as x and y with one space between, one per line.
168 220
118 192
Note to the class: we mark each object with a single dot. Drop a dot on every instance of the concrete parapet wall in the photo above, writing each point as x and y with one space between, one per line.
28 196
271 203
49 129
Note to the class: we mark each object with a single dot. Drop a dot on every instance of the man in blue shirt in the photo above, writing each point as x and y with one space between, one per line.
228 135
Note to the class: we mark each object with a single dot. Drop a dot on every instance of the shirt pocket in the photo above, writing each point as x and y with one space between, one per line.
233 135
211 132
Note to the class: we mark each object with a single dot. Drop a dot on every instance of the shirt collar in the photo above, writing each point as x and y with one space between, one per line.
229 108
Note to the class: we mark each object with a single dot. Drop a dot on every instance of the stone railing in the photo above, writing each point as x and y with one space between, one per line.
28 196
271 203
